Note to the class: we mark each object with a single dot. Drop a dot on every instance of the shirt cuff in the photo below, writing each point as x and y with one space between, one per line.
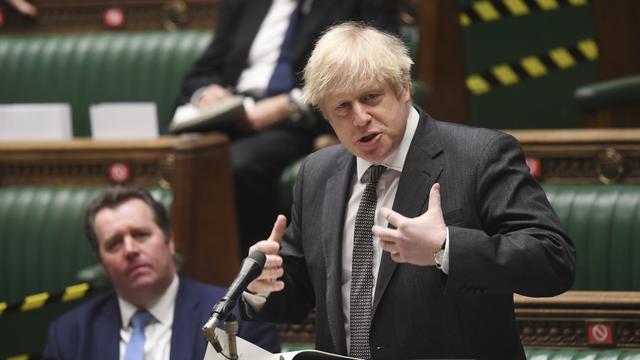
255 301
445 257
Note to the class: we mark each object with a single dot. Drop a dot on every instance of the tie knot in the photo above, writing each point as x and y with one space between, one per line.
373 174
141 319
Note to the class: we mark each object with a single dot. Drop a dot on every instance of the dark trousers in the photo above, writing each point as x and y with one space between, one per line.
257 161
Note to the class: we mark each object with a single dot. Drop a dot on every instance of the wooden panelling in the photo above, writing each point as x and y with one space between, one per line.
195 168
77 15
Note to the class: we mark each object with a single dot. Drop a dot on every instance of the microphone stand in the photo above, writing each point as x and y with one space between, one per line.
231 329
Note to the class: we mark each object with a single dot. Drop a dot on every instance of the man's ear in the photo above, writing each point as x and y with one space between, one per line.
407 90
172 244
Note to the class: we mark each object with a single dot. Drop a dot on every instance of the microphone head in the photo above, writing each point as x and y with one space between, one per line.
259 257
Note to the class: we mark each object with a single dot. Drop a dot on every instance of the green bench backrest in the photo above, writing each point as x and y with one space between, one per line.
83 69
42 244
604 223
582 354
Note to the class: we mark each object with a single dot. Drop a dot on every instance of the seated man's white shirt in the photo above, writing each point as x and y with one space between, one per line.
265 49
157 344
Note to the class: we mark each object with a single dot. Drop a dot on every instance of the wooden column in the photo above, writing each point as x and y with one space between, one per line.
617 25
441 60
203 213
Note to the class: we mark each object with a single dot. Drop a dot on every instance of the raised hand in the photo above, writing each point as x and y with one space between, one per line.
414 240
268 280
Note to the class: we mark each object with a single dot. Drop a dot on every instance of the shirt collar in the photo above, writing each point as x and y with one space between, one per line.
395 160
162 310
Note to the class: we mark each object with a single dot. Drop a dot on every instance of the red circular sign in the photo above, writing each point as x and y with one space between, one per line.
119 173
600 332
113 17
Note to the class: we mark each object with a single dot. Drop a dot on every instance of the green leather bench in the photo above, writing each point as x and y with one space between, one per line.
82 69
604 223
578 354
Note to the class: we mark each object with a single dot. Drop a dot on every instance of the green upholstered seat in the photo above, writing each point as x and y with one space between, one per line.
582 354
87 68
603 221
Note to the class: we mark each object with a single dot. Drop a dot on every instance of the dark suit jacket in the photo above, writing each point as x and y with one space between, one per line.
92 331
239 22
504 238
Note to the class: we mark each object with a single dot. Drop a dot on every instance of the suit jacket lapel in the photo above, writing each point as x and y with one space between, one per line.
336 192
421 169
186 325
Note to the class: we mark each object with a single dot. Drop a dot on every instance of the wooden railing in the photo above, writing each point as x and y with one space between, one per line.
195 168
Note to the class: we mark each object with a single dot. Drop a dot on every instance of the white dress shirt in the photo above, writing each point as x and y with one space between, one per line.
265 49
157 334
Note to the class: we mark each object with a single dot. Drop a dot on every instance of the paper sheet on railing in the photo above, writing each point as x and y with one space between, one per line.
249 351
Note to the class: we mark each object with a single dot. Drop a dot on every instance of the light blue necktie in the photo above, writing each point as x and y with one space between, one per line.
135 347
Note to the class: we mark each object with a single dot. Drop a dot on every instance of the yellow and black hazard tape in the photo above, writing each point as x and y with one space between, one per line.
485 11
25 357
39 300
533 66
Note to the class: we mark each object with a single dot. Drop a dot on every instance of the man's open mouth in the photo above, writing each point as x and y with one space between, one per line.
369 137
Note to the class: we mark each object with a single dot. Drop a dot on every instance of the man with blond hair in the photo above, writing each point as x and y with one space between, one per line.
411 236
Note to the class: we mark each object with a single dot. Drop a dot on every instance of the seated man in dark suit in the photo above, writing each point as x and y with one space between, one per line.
411 236
152 313
258 50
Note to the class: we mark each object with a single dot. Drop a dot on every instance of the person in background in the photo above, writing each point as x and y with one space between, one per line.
24 7
152 312
258 50
411 236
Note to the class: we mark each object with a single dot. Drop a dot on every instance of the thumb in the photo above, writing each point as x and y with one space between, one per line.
278 228
434 199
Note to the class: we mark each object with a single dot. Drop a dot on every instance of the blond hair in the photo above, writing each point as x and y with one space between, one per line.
351 53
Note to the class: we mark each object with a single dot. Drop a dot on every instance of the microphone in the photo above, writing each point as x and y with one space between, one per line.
249 271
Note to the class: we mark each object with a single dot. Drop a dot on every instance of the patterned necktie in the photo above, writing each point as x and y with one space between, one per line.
362 268
135 347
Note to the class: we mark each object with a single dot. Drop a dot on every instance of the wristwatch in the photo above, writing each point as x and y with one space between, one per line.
438 256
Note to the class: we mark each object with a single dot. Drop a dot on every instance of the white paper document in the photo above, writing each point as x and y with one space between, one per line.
116 121
249 351
224 114
35 122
